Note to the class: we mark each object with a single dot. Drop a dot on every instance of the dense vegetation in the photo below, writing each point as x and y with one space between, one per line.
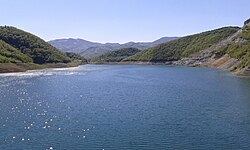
183 47
40 51
116 56
9 54
245 33
239 50
76 57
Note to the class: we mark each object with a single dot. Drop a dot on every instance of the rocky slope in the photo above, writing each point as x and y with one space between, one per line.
205 57
183 47
227 48
232 53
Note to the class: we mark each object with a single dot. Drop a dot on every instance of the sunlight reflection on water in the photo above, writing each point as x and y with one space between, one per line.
123 107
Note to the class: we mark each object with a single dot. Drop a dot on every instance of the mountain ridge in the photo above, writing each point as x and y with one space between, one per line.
93 49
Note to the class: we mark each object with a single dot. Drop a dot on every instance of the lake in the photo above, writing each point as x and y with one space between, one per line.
98 107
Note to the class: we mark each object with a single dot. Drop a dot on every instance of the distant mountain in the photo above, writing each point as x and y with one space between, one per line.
92 49
73 45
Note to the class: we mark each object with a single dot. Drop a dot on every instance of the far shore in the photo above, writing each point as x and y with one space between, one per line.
134 62
245 73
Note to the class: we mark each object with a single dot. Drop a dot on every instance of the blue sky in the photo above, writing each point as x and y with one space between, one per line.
121 20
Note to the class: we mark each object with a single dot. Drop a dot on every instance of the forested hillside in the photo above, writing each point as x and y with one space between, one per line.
9 54
116 56
40 51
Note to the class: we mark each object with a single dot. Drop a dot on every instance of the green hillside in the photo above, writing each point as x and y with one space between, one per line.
183 47
9 54
245 33
40 51
76 57
239 50
116 56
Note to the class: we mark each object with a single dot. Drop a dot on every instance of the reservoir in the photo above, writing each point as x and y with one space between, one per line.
112 107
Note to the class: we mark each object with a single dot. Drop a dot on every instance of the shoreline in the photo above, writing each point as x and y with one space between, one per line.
23 67
240 73
132 63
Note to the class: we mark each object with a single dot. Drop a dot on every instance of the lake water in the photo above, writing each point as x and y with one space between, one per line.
124 107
